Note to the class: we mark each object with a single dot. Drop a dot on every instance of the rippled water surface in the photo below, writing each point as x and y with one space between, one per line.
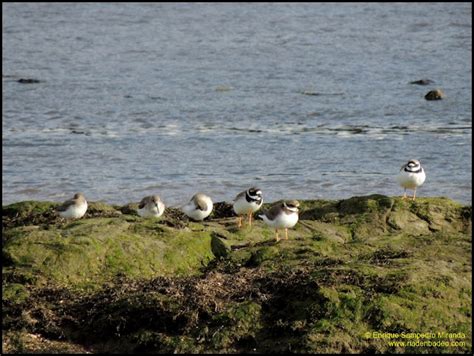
306 101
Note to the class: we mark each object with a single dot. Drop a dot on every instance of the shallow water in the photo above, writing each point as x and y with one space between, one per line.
304 101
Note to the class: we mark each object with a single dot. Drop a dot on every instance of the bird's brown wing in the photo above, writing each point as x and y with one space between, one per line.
273 212
64 206
143 203
201 205
240 195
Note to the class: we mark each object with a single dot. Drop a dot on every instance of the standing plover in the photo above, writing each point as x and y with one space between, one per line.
283 215
246 203
151 206
74 208
199 207
411 176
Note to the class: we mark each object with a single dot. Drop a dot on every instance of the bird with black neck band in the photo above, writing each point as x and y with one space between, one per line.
247 203
411 176
283 215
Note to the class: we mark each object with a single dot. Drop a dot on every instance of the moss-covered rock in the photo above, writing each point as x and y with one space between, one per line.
115 282
89 251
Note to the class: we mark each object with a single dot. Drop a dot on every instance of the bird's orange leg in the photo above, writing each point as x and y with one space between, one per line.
405 194
239 222
276 235
414 194
286 234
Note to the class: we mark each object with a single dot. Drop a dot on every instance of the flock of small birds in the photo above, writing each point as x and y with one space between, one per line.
283 215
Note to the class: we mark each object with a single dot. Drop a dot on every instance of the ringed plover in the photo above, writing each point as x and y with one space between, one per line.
411 176
283 215
246 203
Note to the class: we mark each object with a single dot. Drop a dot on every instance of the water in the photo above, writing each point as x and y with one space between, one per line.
305 101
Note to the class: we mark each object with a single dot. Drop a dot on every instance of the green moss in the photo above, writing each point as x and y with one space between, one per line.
238 321
99 208
267 253
89 251
323 210
219 247
14 293
117 282
26 208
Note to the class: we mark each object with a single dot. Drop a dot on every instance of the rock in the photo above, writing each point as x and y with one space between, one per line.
115 282
434 95
130 208
222 210
422 82
310 92
218 247
28 81
101 209
222 88
314 93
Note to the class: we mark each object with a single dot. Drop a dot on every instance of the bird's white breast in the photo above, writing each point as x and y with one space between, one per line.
409 180
197 214
74 211
242 206
282 220
150 211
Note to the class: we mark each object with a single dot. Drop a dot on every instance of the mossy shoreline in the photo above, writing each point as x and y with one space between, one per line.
350 271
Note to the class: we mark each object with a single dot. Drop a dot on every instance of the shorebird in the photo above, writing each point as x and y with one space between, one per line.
247 202
199 207
151 206
411 176
74 208
283 215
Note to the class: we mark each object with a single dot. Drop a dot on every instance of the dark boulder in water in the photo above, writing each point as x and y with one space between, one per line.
28 81
422 82
434 95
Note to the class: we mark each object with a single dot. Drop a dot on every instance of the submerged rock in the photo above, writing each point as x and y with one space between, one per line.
28 81
115 282
422 82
